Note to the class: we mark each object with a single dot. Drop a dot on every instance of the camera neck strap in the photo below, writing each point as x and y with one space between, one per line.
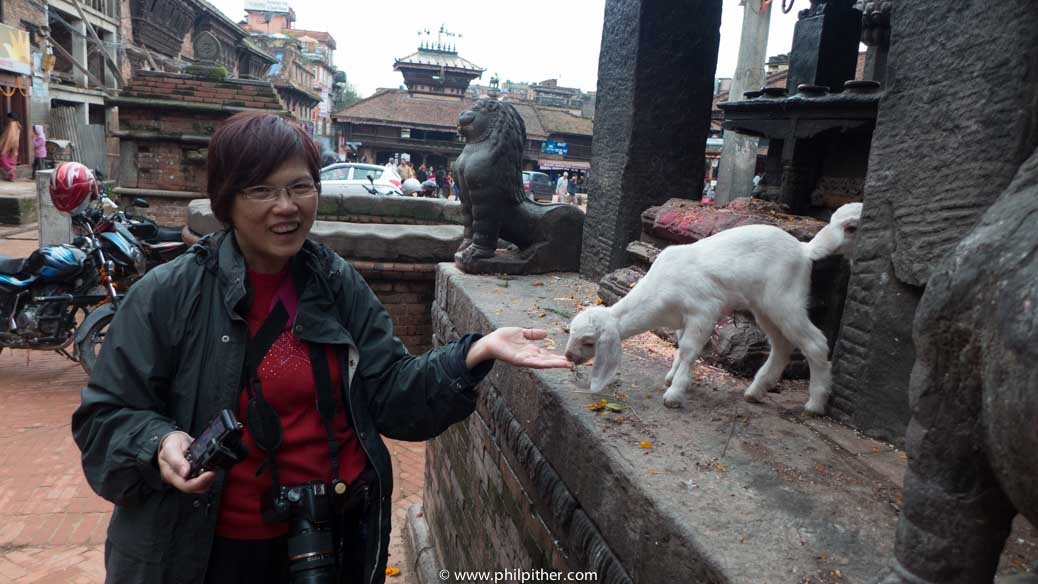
261 417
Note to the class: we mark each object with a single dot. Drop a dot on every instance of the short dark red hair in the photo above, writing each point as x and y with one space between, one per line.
249 146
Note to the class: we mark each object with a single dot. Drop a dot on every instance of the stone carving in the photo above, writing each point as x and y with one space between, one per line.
207 47
494 204
972 440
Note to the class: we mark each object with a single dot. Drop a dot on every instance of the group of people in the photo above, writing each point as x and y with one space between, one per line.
446 186
566 188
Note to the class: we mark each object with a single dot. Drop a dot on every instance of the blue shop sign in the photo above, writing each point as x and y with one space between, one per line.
553 147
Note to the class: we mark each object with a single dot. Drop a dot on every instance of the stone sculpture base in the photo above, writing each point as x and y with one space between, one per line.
548 236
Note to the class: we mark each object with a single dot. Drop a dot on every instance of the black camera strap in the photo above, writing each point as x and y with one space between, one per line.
263 420
326 407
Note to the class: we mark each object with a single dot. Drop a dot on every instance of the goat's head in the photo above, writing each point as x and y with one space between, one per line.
595 332
846 220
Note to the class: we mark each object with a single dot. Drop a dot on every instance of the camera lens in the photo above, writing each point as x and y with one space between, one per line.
311 558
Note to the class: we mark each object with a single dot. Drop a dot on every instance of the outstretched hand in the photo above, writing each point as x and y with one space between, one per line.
512 345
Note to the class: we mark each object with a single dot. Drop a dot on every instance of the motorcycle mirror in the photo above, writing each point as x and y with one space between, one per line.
139 202
371 178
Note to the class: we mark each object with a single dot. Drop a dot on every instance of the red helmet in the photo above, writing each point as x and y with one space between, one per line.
71 187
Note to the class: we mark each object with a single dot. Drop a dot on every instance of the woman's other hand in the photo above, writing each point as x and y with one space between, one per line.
512 345
174 467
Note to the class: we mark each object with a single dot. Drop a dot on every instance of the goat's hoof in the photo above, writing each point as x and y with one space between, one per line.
673 403
753 398
814 409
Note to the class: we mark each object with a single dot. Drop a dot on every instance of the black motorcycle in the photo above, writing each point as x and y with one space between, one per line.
158 244
61 294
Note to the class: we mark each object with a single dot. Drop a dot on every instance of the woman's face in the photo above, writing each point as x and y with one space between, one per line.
269 233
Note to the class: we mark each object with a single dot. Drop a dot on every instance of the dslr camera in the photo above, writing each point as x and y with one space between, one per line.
308 509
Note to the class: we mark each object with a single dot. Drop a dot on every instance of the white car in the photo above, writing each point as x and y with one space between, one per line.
352 178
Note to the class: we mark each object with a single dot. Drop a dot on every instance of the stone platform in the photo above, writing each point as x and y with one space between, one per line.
720 491
384 242
17 202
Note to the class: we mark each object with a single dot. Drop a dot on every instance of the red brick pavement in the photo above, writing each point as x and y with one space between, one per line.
52 526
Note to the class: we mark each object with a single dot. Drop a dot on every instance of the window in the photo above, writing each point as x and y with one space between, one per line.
335 174
362 173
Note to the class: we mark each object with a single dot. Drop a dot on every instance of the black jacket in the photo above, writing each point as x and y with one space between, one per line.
173 358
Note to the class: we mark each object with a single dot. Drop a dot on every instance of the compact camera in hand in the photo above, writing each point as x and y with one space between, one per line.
218 446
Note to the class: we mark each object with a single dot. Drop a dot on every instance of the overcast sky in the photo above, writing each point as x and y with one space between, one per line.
528 40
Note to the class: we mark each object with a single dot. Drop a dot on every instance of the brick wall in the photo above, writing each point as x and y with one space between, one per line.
178 87
406 290
169 166
18 10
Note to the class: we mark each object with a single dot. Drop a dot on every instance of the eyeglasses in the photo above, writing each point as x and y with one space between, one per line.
267 193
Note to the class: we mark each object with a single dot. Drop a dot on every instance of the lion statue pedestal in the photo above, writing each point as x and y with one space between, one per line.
489 174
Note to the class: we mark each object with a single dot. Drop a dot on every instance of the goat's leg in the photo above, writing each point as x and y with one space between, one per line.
769 374
693 337
799 329
674 366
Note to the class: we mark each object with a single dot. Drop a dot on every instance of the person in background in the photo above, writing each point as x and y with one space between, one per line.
441 184
423 173
561 188
405 170
452 185
9 142
571 190
39 145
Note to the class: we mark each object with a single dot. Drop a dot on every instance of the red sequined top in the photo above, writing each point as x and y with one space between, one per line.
287 382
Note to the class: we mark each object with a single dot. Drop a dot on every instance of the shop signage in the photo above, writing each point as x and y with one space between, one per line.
14 50
553 147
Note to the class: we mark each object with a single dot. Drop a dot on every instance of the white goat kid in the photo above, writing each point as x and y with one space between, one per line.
759 268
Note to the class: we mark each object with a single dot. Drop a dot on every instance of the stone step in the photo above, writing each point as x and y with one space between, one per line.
18 208
362 241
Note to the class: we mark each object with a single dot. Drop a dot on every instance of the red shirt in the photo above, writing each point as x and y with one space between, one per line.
287 382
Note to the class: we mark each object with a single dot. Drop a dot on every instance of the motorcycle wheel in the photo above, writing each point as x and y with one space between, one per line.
90 346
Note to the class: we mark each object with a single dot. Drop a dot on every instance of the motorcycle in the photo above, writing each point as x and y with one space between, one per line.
158 244
63 294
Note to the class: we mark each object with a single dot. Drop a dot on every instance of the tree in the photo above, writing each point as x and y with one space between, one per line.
345 93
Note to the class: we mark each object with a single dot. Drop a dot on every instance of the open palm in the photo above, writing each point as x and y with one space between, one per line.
513 345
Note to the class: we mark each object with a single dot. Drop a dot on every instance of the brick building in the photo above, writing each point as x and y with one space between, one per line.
163 157
305 73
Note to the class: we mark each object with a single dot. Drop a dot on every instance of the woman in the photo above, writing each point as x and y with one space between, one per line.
39 145
9 142
261 306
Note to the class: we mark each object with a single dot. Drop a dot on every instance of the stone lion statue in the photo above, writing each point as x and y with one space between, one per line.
494 204
973 439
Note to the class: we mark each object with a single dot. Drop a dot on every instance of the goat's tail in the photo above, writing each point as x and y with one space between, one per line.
824 244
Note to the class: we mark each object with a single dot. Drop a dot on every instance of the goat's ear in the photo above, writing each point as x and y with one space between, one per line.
608 353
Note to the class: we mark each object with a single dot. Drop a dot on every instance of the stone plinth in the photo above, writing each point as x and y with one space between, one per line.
535 479
652 117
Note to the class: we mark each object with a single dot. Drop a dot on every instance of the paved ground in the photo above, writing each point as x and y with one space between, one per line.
52 526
